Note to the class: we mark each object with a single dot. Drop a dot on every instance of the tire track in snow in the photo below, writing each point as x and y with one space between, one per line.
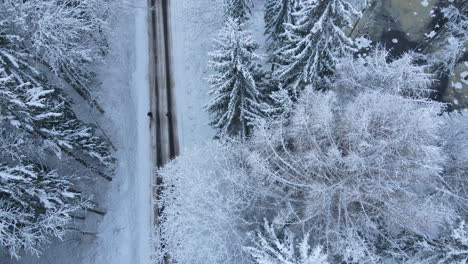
164 123
164 139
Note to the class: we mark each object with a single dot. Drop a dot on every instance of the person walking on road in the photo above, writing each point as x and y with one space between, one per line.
150 115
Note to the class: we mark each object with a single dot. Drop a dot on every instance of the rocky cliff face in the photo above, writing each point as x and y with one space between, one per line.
405 25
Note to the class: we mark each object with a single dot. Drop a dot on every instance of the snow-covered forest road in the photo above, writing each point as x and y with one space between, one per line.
164 137
164 124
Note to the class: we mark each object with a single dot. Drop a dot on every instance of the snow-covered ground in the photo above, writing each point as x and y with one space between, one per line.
123 233
194 25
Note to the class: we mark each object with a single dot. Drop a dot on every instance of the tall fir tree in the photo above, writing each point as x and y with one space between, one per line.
239 10
235 90
277 13
314 42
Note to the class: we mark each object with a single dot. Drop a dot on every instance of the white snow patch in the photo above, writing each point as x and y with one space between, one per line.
425 3
431 34
363 42
195 25
15 123
457 85
395 41
452 40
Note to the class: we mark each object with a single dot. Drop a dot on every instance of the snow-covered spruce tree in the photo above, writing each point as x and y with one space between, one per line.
364 169
44 113
40 108
36 120
313 43
277 13
239 10
234 88
35 205
271 247
35 202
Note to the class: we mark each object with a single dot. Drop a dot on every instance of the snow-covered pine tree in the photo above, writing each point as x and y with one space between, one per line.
314 42
35 204
45 113
277 13
273 246
239 10
36 119
235 103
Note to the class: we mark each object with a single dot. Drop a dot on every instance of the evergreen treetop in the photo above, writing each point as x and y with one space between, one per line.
314 42
239 10
277 13
235 92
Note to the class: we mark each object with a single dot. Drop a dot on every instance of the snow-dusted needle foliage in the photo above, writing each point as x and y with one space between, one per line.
41 138
273 246
239 10
35 205
42 112
234 86
314 42
277 14
65 35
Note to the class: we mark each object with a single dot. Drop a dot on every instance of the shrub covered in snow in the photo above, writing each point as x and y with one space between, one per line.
362 165
455 143
204 197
